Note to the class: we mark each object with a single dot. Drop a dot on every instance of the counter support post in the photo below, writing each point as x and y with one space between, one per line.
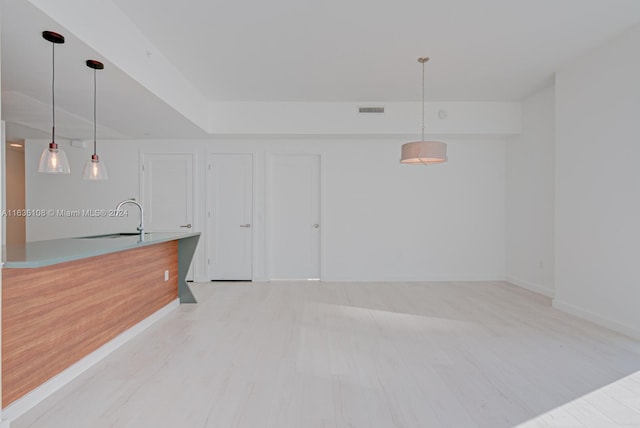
186 249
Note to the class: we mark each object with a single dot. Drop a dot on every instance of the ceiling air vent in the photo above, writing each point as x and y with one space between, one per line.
370 109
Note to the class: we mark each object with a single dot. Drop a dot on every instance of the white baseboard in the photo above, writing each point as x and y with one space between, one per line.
597 319
429 278
540 289
23 404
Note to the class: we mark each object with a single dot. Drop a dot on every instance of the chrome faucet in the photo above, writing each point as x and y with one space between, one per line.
134 202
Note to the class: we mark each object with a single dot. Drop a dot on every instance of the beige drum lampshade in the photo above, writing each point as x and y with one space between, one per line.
424 152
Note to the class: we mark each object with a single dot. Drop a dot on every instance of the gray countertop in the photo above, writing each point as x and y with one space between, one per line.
44 253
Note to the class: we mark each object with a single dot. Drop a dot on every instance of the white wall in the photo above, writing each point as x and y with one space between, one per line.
382 220
399 118
530 196
598 185
73 193
388 221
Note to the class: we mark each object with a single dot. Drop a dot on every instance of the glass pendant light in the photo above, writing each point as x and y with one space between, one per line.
93 168
423 152
53 160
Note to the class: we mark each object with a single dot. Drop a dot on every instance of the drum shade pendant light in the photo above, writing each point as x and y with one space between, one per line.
423 152
93 168
53 160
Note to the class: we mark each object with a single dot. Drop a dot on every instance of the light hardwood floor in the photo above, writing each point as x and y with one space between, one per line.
308 354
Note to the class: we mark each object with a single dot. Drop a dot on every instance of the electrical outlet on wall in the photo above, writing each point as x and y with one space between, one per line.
166 275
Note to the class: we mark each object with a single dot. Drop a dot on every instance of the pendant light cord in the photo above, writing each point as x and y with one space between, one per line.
422 102
53 92
94 111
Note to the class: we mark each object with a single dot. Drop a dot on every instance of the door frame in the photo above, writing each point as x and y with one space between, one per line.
255 227
268 208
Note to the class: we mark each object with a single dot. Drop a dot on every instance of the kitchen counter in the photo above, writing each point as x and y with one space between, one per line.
63 299
39 254
45 253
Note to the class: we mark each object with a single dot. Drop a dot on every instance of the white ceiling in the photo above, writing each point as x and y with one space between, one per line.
366 50
125 108
306 51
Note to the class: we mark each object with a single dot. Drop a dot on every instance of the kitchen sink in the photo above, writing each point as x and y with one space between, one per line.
110 235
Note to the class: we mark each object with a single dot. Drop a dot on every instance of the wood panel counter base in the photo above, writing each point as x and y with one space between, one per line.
53 316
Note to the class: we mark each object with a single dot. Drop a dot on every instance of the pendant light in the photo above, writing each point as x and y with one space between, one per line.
53 160
93 168
423 152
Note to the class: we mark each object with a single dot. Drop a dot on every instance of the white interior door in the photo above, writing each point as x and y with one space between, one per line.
168 191
293 186
229 216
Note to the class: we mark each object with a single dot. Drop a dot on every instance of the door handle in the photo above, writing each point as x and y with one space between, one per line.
186 225
245 225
